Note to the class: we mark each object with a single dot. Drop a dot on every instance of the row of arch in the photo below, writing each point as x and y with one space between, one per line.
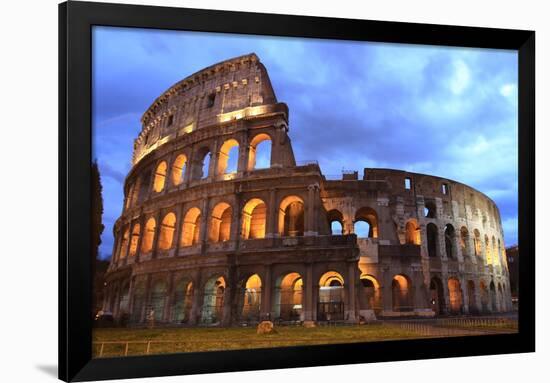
196 167
187 304
253 226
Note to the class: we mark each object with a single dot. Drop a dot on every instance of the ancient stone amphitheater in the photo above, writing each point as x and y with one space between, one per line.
210 235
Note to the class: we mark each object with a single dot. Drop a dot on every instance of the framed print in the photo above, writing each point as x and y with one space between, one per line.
328 191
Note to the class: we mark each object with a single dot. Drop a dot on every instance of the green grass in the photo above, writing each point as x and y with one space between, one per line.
210 339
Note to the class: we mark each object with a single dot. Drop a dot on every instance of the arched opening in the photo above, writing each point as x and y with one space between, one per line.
212 307
465 242
371 289
455 296
138 303
191 227
493 297
366 223
135 239
412 232
124 244
437 300
183 302
158 299
160 177
178 169
220 223
228 157
291 217
430 209
472 306
484 295
500 254
495 252
201 164
259 156
433 240
287 305
254 219
488 255
330 305
401 293
167 228
251 299
450 247
124 302
148 235
477 243
336 222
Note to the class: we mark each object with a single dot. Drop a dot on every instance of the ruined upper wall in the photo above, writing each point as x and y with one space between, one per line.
210 96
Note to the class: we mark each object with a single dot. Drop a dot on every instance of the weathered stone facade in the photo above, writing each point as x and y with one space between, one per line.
197 244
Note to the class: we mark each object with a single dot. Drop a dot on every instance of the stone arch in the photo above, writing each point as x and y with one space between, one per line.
136 231
213 300
148 235
167 229
227 158
157 299
220 223
484 296
182 301
455 296
494 251
191 227
138 302
256 149
477 243
124 243
291 216
412 232
254 219
160 177
488 255
368 215
371 289
401 293
432 234
124 301
330 302
178 169
288 300
250 299
450 243
437 293
335 222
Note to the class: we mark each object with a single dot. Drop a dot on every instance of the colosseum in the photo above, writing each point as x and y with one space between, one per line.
209 235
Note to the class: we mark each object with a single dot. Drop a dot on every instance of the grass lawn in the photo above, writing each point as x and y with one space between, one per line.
170 340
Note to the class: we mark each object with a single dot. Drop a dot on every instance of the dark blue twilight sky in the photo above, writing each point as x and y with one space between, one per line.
450 112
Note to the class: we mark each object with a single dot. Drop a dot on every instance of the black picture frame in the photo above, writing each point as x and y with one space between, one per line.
75 280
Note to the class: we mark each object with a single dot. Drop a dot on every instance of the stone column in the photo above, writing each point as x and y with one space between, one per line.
141 234
197 295
236 225
244 150
146 298
272 214
204 222
386 287
308 299
265 312
310 212
179 230
350 313
131 295
157 232
169 298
